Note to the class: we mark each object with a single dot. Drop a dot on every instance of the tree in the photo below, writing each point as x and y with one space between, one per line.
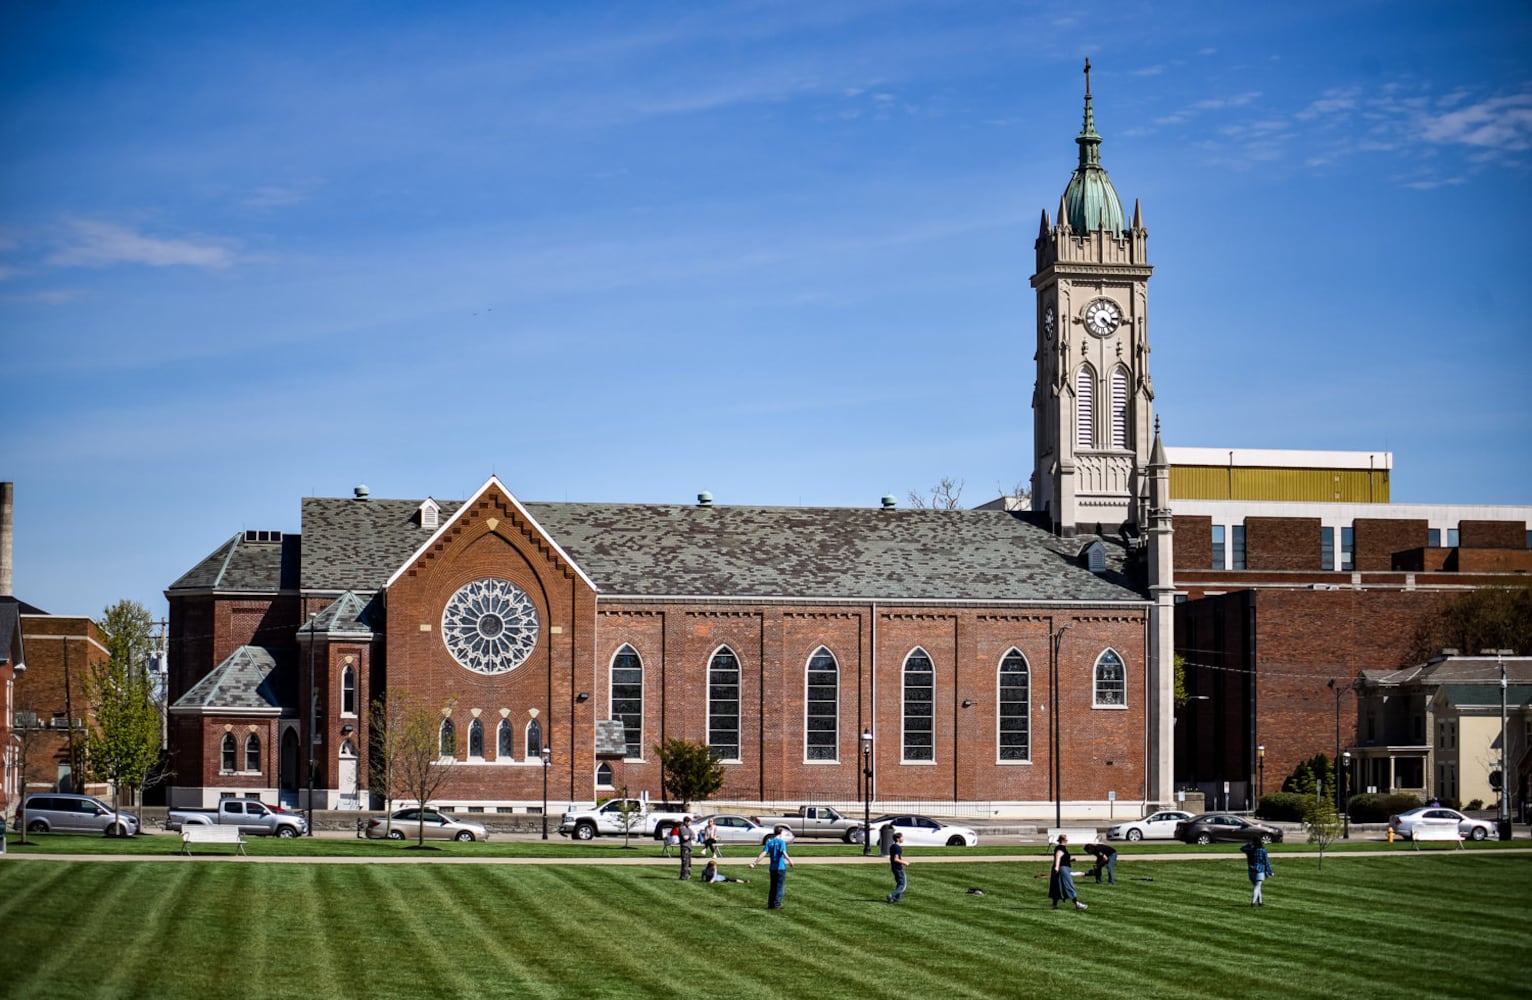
385 748
1324 822
122 739
26 733
1179 690
427 748
947 494
687 770
629 814
1493 618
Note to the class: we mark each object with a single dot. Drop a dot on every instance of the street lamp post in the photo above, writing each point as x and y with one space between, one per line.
1343 782
1055 640
1340 690
1260 767
313 722
866 792
1503 814
547 757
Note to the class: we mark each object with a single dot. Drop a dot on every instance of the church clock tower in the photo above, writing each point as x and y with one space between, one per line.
1092 404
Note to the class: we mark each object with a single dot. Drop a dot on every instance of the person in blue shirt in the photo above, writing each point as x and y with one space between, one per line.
711 875
775 853
897 863
1259 864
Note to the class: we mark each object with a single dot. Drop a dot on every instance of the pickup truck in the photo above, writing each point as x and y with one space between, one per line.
650 821
817 821
250 816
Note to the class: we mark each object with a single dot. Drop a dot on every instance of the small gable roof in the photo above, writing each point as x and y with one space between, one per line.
248 681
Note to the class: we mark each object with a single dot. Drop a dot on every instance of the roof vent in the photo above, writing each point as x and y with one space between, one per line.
704 499
361 492
430 514
889 501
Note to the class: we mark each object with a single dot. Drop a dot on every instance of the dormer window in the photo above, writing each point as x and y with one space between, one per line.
430 515
1094 557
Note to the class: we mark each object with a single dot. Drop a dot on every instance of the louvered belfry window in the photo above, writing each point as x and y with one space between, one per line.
1120 408
1085 399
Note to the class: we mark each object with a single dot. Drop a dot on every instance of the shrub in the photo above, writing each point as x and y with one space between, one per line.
1476 804
1377 808
1287 807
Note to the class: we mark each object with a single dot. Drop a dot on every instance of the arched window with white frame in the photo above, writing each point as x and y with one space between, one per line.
228 762
534 740
1120 407
1014 702
505 741
1085 407
919 707
476 739
627 698
1111 681
447 739
347 691
723 704
252 753
821 729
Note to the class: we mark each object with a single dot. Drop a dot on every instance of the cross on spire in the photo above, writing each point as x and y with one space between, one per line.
1087 76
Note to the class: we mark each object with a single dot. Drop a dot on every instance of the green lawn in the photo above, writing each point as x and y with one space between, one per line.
1448 924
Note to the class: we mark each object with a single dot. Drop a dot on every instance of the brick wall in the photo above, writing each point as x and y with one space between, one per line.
1377 541
1194 542
1492 534
1282 543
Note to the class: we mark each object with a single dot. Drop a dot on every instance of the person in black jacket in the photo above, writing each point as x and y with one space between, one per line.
1106 860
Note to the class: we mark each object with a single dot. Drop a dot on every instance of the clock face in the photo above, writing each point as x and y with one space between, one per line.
490 626
1049 321
1102 317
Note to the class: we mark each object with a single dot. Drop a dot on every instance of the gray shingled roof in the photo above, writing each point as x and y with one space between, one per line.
348 614
1456 670
10 630
246 565
248 679
655 550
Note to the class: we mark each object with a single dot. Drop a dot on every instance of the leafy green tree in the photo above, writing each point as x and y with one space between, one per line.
1179 692
687 770
122 739
426 756
1324 823
629 814
385 749
1492 618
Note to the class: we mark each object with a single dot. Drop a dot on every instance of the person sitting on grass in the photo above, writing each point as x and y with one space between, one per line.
711 874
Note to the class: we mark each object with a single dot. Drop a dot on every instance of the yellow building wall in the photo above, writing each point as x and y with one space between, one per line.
1217 482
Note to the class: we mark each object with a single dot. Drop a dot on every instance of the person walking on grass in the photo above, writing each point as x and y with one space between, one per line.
1259 864
686 838
775 852
896 864
1106 860
1061 878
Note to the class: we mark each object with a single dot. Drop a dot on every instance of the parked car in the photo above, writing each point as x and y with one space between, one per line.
817 821
1160 826
1212 828
1404 824
253 817
923 831
405 824
63 813
733 829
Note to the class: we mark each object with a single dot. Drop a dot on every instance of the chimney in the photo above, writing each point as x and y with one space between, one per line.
7 551
704 499
890 501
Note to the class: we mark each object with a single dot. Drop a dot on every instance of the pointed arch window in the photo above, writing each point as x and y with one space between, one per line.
628 698
228 752
447 739
347 691
604 775
919 707
1085 408
252 753
821 731
534 740
1111 681
1015 707
476 739
505 741
1120 408
723 704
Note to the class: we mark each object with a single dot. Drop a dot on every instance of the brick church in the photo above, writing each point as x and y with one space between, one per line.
1016 659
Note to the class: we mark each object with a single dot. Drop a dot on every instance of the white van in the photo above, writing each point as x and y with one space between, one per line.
58 812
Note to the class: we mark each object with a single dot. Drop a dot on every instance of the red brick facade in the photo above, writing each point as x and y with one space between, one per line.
1282 543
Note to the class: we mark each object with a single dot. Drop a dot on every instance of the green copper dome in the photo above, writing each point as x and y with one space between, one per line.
1090 202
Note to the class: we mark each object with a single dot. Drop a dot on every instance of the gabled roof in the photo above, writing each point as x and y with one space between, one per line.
729 552
1473 671
245 564
250 679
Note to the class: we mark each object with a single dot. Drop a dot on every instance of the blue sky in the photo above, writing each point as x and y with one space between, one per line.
629 252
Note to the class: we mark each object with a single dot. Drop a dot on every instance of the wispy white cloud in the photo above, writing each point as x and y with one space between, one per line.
1500 122
270 196
95 243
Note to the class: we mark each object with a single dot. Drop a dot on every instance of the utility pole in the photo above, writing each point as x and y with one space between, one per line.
1503 826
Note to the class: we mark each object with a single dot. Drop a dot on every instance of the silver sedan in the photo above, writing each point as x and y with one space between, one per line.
731 829
405 824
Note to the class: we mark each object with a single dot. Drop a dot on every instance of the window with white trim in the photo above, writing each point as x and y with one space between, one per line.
1015 711
228 752
347 691
447 739
1111 680
628 698
919 707
252 753
534 740
476 739
821 731
723 704
505 741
